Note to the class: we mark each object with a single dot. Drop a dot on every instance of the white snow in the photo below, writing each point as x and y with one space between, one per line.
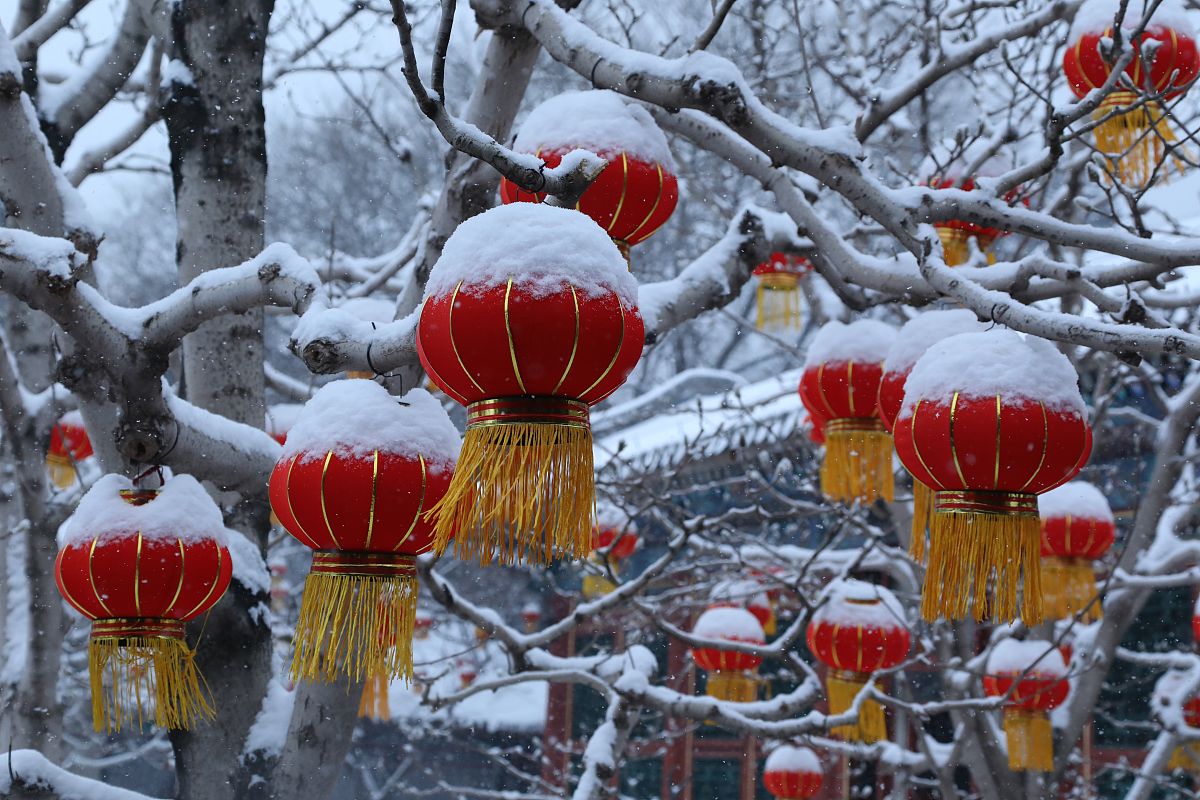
1014 657
541 247
996 362
730 624
1096 16
269 732
178 72
357 417
612 518
1077 499
282 417
51 255
249 569
34 768
181 510
789 758
865 340
369 309
923 330
741 592
8 57
851 602
596 120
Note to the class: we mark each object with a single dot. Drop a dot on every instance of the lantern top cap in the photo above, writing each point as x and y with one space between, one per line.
282 416
597 120
71 418
1015 657
864 340
1078 499
790 758
742 592
541 248
181 510
924 330
1096 16
850 602
731 624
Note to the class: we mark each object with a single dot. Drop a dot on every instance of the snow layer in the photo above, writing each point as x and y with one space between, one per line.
731 624
542 248
249 569
741 592
1096 16
598 120
1078 499
269 732
789 758
865 340
281 417
994 362
181 510
35 769
1014 657
357 417
851 602
924 330
369 309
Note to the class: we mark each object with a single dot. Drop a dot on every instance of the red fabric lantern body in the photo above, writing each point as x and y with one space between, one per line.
1069 545
1186 757
778 291
792 773
621 546
731 674
69 444
1026 720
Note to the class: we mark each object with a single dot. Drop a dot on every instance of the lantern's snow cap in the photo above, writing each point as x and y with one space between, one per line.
850 602
72 418
789 758
863 341
745 593
542 248
996 362
1096 16
1077 499
182 510
354 418
730 624
924 330
1014 657
597 120
282 417
611 518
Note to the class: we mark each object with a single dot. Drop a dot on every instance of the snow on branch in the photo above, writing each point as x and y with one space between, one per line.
30 771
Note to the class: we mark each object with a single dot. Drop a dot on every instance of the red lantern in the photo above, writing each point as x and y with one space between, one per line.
859 630
778 292
839 387
354 483
1077 529
69 444
636 193
529 319
139 564
748 595
1035 674
732 674
531 615
620 539
792 773
956 234
1130 130
990 421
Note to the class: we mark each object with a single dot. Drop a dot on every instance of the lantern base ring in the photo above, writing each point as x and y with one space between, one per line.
531 409
978 502
343 562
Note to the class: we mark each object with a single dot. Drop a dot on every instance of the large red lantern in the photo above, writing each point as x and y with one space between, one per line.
139 564
530 318
636 193
1035 675
792 773
1131 123
778 292
1077 528
989 421
358 474
859 630
69 444
839 388
732 675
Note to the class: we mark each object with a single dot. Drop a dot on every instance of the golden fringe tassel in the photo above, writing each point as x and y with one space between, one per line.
62 471
956 245
778 305
374 703
858 461
922 516
1030 741
842 688
737 687
1134 140
126 672
1068 587
1186 758
771 626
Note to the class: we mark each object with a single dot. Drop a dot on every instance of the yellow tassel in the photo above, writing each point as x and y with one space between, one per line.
1135 139
956 245
1030 741
858 461
842 688
736 687
356 617
771 626
1068 586
778 297
374 703
922 514
62 471
981 545
1186 758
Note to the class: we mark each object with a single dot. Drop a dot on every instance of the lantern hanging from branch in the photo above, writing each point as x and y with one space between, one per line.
614 540
1167 689
957 234
839 387
778 291
139 564
732 675
530 318
1131 126
989 421
1035 675
1077 528
358 473
792 773
69 444
636 193
858 630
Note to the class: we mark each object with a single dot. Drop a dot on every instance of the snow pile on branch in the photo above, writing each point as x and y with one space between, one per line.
740 592
1096 16
997 362
865 340
369 309
789 758
925 330
34 770
851 602
597 120
542 248
1078 499
282 417
1015 657
182 509
269 732
729 624
355 418
55 257
610 517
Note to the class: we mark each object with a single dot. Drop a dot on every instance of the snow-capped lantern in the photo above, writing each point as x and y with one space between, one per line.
69 444
636 193
858 630
530 318
1035 674
467 673
1186 756
358 473
792 773
614 539
1131 129
531 616
732 675
989 421
749 595
777 294
839 388
422 624
1077 528
139 563
914 339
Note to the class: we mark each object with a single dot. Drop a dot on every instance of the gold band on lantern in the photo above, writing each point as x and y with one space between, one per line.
532 409
137 628
779 281
341 562
855 425
957 501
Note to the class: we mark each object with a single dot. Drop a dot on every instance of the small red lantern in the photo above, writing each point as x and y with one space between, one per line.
530 318
748 595
69 444
792 773
139 564
839 388
531 615
614 540
956 234
1035 675
859 630
732 675
1077 528
778 292
989 421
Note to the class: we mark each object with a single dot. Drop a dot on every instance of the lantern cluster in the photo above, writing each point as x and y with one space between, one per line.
792 773
1032 677
777 294
1077 528
731 674
69 444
